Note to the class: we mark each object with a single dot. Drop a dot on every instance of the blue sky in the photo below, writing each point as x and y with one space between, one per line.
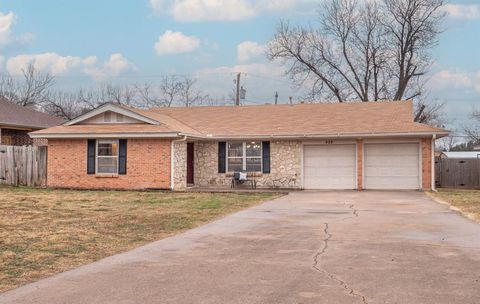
88 42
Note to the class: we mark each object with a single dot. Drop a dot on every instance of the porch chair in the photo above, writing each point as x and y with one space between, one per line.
241 178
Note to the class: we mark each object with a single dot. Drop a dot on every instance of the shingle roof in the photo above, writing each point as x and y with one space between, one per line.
17 116
107 128
301 120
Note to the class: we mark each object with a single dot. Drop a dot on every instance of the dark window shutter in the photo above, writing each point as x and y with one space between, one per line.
91 156
222 156
266 156
122 156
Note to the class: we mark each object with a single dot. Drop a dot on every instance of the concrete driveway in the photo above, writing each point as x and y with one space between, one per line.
307 247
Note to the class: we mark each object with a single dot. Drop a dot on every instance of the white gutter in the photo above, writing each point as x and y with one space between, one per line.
320 136
105 135
172 160
221 137
433 163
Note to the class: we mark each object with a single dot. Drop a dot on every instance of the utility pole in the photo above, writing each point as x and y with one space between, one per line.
291 99
237 97
276 97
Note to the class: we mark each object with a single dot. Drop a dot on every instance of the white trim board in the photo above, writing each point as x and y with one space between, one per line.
112 108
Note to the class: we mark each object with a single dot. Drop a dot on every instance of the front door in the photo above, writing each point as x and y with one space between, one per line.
190 159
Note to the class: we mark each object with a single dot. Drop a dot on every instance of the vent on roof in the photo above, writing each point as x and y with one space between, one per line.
107 117
119 117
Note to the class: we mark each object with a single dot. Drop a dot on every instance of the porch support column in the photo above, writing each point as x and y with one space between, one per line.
359 164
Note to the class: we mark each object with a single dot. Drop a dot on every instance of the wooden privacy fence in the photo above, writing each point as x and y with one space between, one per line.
457 173
25 165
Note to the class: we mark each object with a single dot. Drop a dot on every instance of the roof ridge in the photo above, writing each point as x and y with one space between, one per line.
316 103
172 118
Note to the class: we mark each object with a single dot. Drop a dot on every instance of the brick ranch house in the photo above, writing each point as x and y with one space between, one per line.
374 145
17 121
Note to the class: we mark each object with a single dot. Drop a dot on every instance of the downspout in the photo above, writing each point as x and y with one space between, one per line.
434 137
172 160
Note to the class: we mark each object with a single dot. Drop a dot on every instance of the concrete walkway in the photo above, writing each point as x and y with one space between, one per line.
307 247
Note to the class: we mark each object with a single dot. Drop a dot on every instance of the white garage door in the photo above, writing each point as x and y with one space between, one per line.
329 167
392 166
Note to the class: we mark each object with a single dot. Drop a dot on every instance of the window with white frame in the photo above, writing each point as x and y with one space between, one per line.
107 156
244 156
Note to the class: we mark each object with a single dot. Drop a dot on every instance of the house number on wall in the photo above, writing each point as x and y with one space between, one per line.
329 142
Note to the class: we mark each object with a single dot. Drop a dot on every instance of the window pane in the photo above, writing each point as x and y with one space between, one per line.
107 149
254 164
235 164
107 165
235 150
254 148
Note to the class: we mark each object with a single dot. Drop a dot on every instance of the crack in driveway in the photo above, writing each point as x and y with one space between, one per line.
316 260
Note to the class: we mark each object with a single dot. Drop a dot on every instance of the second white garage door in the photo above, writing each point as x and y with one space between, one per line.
392 166
329 167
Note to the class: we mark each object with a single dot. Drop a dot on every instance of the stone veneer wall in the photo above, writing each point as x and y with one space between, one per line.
285 166
179 165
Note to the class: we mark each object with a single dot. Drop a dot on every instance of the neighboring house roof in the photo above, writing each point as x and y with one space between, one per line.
13 115
270 121
462 154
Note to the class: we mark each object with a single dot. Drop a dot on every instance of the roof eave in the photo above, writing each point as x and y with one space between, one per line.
321 136
114 108
105 135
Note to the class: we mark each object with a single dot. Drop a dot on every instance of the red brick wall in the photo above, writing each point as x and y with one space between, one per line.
148 165
359 164
427 163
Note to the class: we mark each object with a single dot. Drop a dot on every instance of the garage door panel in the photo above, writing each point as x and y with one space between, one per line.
392 166
392 161
393 183
401 150
318 172
329 167
386 172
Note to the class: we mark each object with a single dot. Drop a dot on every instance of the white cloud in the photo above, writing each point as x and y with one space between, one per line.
464 12
477 83
176 43
6 22
223 10
217 10
159 6
249 50
56 65
263 69
280 5
52 63
114 66
448 79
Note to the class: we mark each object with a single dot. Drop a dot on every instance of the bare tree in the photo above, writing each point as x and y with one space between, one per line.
446 143
472 130
189 94
431 112
108 93
171 89
123 95
67 105
28 91
147 97
362 50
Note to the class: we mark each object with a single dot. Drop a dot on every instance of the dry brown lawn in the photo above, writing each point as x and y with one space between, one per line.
43 232
466 201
